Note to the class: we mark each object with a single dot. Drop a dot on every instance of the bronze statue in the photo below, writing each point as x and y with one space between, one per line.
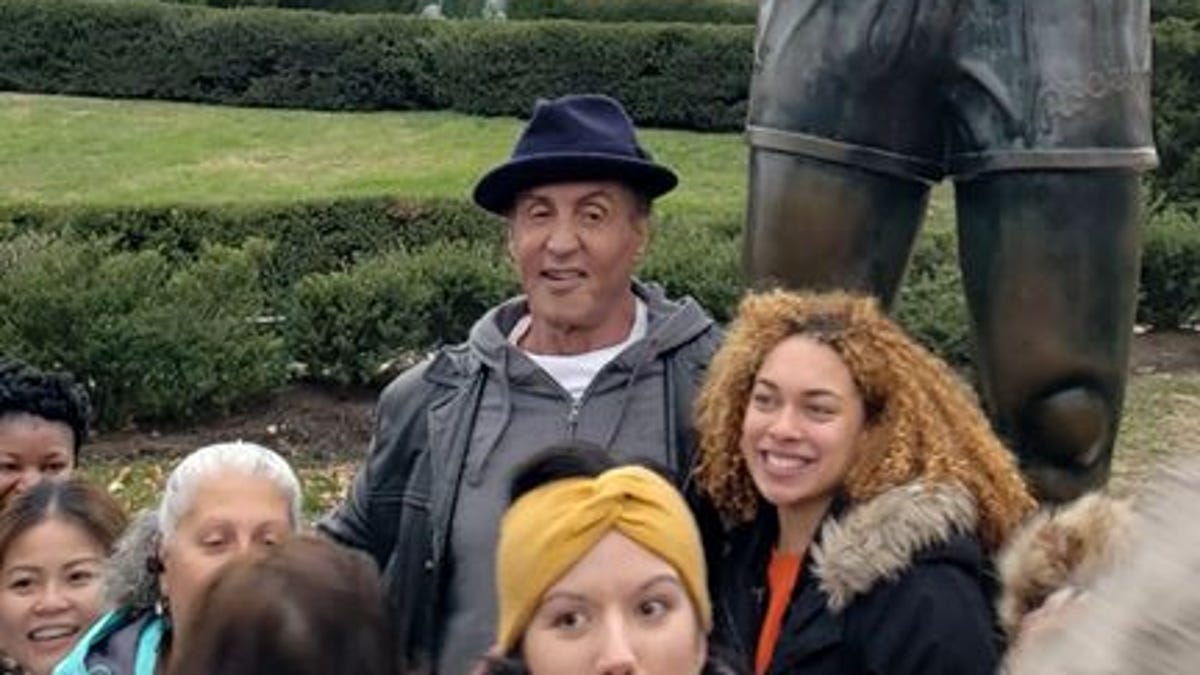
1040 114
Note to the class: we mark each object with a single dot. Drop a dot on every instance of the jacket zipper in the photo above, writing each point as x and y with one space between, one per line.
573 416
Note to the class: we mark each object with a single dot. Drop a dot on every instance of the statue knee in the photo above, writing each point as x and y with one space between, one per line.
1068 434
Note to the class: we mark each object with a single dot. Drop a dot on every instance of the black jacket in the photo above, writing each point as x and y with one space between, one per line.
895 586
401 504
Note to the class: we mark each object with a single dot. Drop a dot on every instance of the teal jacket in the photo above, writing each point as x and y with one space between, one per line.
122 642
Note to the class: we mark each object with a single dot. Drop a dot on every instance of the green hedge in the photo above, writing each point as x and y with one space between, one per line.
1182 9
309 237
155 340
1170 288
354 326
318 60
170 335
686 11
1177 109
653 69
682 11
931 304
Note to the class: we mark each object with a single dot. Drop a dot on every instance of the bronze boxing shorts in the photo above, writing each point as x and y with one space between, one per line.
923 89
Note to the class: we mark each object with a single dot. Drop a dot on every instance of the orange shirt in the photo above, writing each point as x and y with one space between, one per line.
782 575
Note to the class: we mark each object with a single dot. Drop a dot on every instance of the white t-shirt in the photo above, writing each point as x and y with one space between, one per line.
575 372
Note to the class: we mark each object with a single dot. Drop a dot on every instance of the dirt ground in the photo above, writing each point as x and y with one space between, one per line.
326 431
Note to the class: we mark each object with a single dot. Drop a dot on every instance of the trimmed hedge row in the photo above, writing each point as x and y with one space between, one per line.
154 339
1177 108
307 238
317 60
1183 9
681 11
1170 283
687 11
357 326
150 317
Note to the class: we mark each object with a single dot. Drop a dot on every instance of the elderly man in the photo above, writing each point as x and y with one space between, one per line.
586 353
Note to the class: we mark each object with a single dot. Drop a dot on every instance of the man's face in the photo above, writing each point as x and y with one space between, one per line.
575 246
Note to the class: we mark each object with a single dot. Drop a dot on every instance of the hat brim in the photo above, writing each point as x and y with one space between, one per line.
498 189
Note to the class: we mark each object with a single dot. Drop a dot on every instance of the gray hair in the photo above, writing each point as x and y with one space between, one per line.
1143 616
249 459
129 580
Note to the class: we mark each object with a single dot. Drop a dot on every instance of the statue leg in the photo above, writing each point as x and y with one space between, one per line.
816 224
1050 261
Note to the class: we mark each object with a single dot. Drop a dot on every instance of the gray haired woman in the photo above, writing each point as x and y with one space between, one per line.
222 502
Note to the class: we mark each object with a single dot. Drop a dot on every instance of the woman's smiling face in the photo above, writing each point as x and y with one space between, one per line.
51 592
803 425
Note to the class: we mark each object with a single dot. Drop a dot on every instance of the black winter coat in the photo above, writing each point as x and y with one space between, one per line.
896 586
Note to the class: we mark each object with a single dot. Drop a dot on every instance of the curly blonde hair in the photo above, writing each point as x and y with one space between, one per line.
923 422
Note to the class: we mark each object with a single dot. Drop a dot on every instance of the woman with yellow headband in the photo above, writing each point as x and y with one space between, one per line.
599 569
863 490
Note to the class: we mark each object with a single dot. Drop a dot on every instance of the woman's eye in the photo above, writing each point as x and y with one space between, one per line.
54 468
81 577
653 609
212 543
9 467
569 621
762 400
21 584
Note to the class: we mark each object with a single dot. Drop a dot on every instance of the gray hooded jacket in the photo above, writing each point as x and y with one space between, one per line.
449 431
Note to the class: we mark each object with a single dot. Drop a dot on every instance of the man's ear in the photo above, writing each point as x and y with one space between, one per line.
641 225
510 244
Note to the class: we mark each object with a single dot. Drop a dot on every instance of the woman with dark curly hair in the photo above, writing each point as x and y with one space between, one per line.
43 423
863 489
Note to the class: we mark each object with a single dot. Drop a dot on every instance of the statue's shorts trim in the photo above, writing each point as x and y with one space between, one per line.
925 89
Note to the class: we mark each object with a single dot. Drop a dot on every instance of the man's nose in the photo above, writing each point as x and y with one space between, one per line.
564 238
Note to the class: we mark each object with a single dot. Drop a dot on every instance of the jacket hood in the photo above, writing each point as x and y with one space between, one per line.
671 323
877 540
128 578
1142 614
1066 548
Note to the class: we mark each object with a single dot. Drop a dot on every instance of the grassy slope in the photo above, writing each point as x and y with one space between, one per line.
65 150
62 150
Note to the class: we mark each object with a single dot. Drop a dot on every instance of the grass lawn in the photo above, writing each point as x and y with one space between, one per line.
1161 422
66 150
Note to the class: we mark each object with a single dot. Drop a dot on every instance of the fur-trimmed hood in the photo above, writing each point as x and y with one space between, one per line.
877 540
901 573
861 545
1142 614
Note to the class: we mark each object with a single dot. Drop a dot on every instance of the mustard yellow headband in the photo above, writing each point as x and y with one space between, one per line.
550 528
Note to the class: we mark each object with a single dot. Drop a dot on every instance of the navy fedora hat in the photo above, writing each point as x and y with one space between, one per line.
578 137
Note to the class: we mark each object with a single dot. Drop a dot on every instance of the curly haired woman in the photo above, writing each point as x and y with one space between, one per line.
863 491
